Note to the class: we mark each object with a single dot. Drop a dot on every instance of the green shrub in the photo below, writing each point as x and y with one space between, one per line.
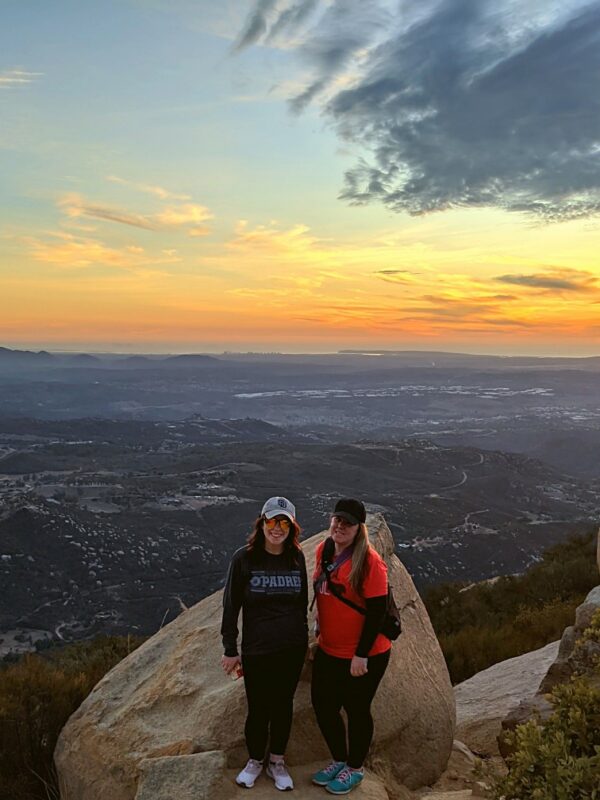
37 696
591 635
560 761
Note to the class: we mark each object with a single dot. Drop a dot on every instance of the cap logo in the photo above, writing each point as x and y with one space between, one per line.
281 502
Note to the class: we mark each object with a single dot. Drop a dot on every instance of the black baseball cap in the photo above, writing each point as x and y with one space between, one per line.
352 510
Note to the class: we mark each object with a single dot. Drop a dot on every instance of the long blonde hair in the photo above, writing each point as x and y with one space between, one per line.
359 558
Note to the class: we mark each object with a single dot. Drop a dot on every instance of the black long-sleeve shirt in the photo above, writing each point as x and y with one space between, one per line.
375 608
272 592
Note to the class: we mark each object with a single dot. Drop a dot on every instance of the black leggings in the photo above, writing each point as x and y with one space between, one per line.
270 682
334 688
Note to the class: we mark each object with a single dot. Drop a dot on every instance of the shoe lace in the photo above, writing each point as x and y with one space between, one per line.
278 768
253 765
343 776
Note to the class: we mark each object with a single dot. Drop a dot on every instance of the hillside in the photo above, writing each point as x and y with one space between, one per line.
481 624
111 535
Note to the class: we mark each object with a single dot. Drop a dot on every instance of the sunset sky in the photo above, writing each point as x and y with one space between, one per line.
300 175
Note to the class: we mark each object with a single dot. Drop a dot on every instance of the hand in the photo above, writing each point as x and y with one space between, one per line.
358 667
229 663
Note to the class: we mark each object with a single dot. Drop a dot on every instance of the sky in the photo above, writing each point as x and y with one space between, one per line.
300 175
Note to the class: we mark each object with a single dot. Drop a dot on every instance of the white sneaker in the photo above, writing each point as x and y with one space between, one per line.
278 771
250 773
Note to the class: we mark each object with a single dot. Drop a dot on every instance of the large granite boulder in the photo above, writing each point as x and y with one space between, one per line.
201 776
170 698
484 700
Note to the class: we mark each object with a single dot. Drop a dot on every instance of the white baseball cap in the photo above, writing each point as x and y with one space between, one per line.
276 506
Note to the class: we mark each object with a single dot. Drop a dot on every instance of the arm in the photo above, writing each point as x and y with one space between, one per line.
232 603
375 588
374 617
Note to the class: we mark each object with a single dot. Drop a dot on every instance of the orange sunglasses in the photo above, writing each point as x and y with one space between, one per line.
284 524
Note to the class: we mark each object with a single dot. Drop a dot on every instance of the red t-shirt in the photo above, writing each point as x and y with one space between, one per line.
341 626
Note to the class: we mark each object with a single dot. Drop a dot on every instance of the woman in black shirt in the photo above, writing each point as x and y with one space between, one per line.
267 581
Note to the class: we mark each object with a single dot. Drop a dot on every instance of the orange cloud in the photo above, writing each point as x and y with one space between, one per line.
72 252
179 216
186 214
272 240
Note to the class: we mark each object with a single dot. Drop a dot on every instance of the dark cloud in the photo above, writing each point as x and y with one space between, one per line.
256 25
394 275
470 103
291 18
450 125
571 282
394 272
504 297
346 28
342 29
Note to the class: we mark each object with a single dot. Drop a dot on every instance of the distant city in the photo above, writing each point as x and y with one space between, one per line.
127 482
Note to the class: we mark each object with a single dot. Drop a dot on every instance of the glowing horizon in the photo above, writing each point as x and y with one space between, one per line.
160 196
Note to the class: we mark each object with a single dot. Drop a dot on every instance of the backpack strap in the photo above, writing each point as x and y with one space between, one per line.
327 568
329 565
337 593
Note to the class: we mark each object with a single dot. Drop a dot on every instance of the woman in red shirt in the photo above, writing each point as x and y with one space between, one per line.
352 654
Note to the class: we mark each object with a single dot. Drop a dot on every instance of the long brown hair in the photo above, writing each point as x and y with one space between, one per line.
360 551
291 544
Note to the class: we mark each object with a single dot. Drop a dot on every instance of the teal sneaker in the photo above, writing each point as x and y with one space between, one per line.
323 776
345 781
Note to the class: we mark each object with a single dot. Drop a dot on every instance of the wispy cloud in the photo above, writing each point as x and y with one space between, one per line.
17 77
457 103
291 18
270 238
188 215
74 206
403 276
426 316
271 20
68 251
157 191
559 280
257 23
461 308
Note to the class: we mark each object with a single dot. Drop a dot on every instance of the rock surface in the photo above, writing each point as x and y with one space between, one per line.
171 698
202 777
484 700
462 778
